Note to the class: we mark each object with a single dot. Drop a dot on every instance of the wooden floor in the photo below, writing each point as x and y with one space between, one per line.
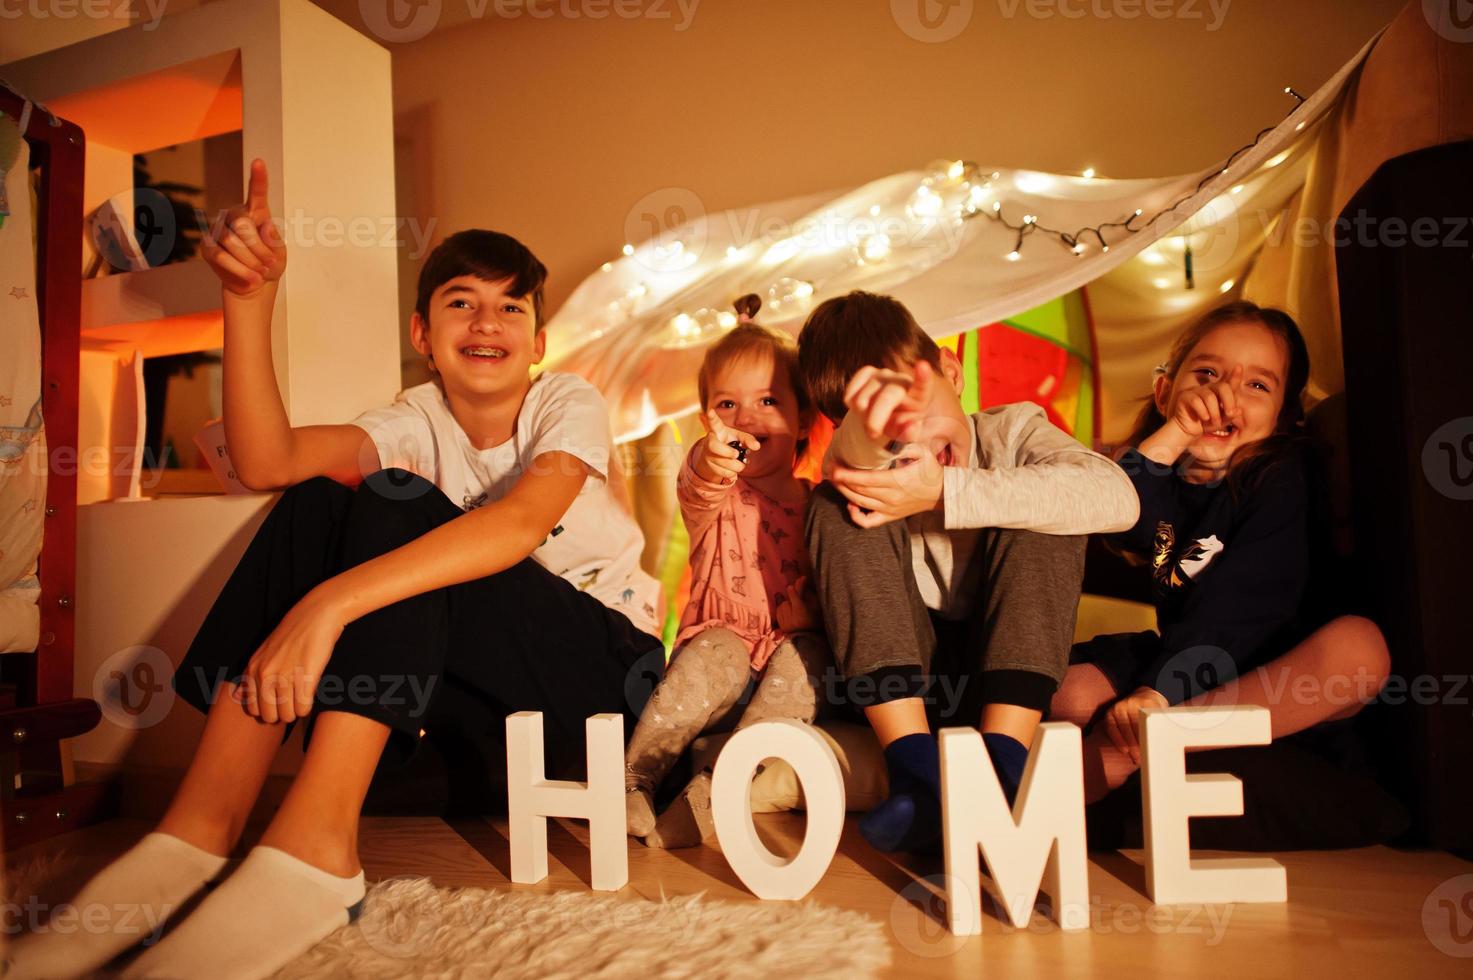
1350 913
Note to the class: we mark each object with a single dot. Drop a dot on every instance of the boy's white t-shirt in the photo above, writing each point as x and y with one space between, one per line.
595 545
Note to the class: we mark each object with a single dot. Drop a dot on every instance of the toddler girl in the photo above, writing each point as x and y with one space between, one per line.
750 616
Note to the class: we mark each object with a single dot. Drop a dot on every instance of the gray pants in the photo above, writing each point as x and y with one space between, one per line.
1012 650
705 690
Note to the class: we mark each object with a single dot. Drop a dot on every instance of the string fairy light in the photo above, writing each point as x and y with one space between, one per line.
1075 241
930 204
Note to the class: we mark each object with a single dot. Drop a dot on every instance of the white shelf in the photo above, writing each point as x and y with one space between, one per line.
178 289
312 98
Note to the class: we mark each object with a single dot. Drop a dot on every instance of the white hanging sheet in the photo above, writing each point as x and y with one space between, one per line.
638 327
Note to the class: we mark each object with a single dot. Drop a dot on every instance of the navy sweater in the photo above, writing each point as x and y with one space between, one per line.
1228 574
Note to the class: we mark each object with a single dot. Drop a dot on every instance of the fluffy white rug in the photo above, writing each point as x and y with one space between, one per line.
410 928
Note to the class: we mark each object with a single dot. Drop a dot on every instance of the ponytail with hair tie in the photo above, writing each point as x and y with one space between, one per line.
747 307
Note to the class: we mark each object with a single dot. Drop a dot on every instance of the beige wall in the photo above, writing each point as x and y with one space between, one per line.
553 129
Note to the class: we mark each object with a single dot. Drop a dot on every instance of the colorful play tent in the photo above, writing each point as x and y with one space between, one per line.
1045 355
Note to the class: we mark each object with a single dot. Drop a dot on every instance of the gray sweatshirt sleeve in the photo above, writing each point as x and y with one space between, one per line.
853 448
1034 477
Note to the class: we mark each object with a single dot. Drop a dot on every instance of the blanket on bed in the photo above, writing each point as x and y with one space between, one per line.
22 444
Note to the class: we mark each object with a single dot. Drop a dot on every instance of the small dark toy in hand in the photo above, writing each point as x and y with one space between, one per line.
741 450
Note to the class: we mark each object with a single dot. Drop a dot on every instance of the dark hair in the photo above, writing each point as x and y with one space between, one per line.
748 339
848 332
488 255
1250 463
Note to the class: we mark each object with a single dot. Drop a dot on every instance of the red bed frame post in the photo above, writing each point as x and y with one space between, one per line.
36 804
59 255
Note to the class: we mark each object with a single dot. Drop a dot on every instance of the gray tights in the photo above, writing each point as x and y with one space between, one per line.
701 693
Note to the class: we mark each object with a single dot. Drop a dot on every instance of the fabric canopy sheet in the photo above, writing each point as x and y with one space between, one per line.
22 442
943 240
1140 306
1273 242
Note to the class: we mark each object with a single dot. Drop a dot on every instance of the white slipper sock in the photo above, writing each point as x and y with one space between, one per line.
273 909
124 904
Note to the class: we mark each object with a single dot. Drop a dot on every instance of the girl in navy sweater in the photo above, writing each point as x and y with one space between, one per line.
1217 461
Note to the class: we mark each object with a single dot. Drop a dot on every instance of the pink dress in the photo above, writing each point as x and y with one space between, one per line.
746 550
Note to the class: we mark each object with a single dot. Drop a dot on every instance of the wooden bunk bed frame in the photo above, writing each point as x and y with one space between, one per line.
37 706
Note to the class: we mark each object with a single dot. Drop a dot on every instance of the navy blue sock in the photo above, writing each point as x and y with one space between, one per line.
910 817
1009 758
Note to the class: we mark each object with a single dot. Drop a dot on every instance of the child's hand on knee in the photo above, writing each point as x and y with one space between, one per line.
1123 722
281 679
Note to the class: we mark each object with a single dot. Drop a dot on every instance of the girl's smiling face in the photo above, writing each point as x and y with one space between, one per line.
1264 358
752 394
